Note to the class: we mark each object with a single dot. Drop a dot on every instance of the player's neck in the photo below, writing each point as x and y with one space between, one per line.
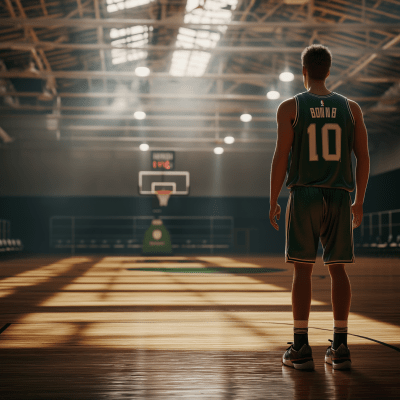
318 88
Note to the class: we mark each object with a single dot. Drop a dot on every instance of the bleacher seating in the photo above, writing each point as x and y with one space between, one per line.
7 243
383 243
385 235
82 244
118 244
132 243
105 244
365 241
10 245
395 243
376 242
388 243
125 234
379 242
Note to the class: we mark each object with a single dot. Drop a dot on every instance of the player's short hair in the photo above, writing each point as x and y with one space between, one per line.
317 59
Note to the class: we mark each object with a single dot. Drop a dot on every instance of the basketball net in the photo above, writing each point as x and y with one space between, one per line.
163 196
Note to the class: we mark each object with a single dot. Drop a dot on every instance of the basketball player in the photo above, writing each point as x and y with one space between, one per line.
317 131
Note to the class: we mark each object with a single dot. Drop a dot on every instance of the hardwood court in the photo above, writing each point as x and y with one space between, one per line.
90 327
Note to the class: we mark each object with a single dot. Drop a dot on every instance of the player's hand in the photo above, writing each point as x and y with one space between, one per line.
357 210
275 210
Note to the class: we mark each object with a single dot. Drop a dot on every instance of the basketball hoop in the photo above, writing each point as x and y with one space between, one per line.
163 196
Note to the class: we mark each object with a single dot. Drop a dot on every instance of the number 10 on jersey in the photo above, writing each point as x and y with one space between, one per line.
312 141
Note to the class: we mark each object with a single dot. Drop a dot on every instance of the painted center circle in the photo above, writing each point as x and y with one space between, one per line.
157 234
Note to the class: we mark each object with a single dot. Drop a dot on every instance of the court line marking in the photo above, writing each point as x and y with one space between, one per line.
4 328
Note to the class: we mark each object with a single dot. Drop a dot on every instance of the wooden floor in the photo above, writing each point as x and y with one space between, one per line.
206 327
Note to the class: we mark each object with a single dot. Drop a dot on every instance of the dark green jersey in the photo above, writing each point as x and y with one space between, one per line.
323 142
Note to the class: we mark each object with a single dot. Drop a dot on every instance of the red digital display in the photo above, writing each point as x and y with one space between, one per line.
164 165
162 160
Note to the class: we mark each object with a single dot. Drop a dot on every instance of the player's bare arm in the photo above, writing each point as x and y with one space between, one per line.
360 148
285 115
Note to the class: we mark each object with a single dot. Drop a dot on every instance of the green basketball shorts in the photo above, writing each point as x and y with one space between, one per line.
314 213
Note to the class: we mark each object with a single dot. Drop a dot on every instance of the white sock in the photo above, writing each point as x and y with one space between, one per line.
300 327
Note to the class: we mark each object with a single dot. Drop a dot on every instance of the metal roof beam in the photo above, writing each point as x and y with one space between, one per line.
347 51
88 146
100 41
361 63
184 129
207 107
163 117
163 139
130 74
51 83
178 96
88 23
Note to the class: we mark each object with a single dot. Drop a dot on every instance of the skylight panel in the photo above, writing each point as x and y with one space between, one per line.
195 63
179 62
135 36
187 32
117 5
198 63
185 41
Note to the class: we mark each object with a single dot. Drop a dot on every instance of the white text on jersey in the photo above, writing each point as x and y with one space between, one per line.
323 112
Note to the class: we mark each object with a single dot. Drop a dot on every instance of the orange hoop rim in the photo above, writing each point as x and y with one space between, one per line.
163 192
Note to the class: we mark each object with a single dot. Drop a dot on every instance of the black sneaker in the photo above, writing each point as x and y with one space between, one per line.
339 358
301 359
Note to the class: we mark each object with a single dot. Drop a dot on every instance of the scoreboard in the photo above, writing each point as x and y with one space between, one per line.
162 160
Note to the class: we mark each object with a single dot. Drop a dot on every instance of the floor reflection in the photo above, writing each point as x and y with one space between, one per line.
90 328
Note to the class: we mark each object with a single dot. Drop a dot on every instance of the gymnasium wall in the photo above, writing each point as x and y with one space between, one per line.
74 172
386 155
67 171
30 214
37 184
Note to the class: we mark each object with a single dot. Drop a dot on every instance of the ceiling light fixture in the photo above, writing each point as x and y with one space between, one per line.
273 95
286 76
139 115
142 71
245 117
229 139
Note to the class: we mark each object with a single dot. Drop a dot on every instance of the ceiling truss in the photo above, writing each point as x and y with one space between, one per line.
70 47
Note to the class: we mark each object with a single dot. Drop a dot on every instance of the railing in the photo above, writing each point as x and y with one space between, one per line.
380 230
5 228
125 234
